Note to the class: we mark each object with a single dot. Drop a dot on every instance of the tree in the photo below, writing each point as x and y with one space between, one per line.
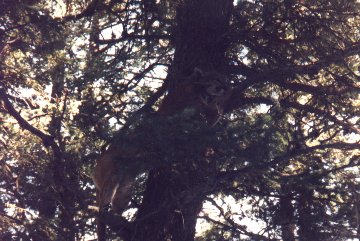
77 76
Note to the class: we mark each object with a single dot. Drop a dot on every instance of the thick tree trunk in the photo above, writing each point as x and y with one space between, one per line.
307 231
201 35
170 208
286 216
64 173
173 199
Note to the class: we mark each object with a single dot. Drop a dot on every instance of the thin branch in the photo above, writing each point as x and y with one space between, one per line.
236 102
47 139
146 108
87 12
234 227
303 151
17 221
278 75
128 37
228 175
311 109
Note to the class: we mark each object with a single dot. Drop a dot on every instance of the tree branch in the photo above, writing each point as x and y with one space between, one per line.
280 74
236 102
118 224
145 109
236 228
302 151
311 109
127 37
87 12
257 168
47 139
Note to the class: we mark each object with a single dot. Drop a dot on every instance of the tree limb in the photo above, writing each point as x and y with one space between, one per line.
47 139
118 224
311 109
302 151
132 37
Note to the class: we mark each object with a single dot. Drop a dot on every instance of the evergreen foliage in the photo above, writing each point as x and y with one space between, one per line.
281 164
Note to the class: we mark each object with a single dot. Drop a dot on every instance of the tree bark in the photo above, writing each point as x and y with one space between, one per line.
201 35
172 199
286 216
169 209
307 231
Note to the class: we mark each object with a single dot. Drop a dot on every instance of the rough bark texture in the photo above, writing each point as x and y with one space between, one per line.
172 199
169 209
201 35
307 231
286 215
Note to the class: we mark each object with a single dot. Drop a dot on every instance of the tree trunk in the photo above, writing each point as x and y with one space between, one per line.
201 35
170 207
63 171
307 231
286 216
172 199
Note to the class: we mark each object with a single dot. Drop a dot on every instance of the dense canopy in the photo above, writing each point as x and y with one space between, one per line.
272 155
